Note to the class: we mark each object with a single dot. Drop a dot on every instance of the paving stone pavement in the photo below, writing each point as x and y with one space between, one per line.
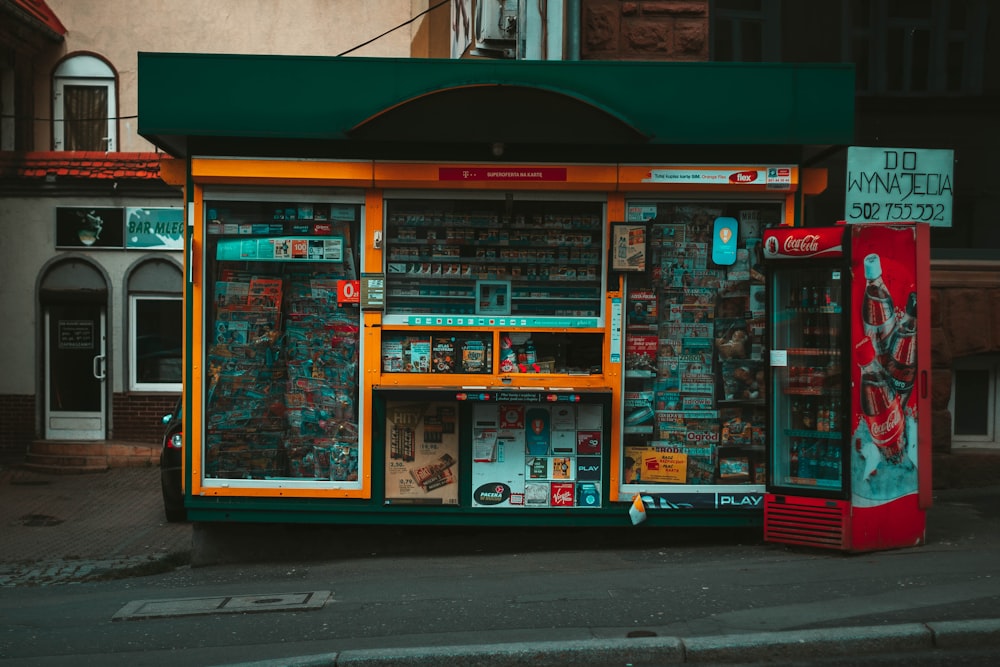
71 528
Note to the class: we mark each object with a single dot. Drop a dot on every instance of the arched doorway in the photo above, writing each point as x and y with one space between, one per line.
74 297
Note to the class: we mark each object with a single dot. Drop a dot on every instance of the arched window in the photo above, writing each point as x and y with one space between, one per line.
84 107
156 327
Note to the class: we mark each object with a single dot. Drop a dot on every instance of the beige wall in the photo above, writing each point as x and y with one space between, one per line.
118 29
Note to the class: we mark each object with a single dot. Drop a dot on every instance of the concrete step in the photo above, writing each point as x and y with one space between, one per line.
68 448
65 464
65 457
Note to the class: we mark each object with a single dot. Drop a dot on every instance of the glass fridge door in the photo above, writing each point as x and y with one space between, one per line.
808 404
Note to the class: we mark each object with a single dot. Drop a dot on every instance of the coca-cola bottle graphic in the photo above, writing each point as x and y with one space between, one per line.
877 309
901 363
879 405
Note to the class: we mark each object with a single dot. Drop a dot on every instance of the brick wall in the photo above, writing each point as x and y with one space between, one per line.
965 321
138 417
17 424
644 30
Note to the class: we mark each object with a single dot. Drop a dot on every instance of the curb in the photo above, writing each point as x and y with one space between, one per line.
740 648
74 571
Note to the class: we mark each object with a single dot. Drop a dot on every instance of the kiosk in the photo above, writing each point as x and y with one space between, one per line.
485 293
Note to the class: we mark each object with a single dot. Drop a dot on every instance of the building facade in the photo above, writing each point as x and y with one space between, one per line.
91 235
926 77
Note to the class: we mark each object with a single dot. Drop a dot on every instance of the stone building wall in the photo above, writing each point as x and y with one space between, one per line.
965 321
644 30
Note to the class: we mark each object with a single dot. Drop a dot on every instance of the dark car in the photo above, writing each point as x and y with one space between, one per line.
171 465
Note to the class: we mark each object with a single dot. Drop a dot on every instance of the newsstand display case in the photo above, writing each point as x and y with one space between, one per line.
487 355
282 406
694 402
482 257
493 348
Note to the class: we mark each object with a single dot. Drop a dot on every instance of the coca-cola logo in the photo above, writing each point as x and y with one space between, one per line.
887 431
802 244
771 245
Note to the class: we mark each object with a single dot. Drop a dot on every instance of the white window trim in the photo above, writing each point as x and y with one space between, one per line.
83 71
133 362
992 437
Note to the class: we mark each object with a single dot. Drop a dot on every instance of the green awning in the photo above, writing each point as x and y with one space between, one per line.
404 107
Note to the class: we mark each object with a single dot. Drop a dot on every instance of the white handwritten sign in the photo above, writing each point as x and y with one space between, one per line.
899 185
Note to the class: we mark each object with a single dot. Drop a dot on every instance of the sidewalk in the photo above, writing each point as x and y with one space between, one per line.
61 528
69 528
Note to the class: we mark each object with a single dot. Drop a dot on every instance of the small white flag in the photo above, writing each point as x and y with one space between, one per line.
637 512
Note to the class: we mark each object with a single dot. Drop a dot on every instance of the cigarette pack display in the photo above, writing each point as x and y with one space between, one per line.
536 494
439 480
589 416
588 442
588 495
402 443
563 494
538 467
425 474
563 468
512 417
563 417
537 438
433 429
563 442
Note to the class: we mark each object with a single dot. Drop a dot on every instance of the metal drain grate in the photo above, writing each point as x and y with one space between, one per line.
234 604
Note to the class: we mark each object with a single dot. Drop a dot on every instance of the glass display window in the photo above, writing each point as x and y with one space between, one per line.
281 342
531 259
693 398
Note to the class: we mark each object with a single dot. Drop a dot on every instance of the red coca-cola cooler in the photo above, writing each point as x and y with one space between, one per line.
849 459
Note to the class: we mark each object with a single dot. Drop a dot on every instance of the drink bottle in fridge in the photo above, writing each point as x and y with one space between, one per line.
849 364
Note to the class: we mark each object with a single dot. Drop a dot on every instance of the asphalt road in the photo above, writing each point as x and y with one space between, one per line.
573 587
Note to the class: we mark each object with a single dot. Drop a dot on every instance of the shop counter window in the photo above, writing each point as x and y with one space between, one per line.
528 450
506 352
536 259
281 346
693 401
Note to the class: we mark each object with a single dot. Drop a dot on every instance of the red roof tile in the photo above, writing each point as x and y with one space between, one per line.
40 12
80 164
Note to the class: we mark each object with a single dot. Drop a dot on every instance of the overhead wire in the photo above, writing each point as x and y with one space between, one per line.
342 53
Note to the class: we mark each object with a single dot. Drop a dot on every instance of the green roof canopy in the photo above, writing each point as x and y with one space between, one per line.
211 104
